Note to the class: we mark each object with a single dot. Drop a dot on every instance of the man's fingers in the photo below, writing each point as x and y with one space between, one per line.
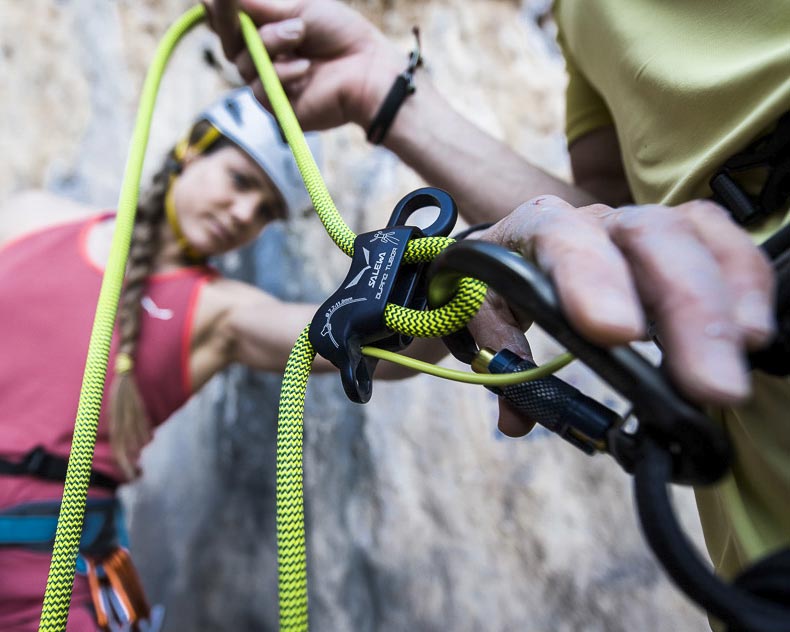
744 268
245 66
708 288
280 39
681 284
263 11
260 94
291 70
223 16
590 274
496 327
511 421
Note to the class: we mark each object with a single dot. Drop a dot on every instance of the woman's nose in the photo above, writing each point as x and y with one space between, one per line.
245 209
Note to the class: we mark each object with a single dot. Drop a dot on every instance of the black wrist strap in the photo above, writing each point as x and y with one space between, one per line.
401 88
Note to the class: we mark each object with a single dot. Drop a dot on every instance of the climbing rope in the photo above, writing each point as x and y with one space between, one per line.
292 563
57 595
290 506
452 316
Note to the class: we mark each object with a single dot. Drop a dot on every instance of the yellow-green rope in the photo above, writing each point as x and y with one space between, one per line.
451 317
57 595
483 379
291 557
290 508
417 250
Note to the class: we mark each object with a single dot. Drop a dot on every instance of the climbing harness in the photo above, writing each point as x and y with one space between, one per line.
40 463
378 307
115 588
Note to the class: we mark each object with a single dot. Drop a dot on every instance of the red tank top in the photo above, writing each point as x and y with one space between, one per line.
48 293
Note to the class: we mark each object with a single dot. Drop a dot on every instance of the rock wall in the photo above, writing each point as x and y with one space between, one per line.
420 515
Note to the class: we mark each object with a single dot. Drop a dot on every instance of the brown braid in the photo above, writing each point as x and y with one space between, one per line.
130 425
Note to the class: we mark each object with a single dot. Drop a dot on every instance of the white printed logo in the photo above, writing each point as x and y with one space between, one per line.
154 311
356 279
326 330
385 238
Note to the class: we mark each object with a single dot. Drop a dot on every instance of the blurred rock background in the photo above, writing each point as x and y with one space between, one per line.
420 515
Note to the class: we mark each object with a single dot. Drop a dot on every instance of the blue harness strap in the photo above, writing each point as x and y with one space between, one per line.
33 525
40 529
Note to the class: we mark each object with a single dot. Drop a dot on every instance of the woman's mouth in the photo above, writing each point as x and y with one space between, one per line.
220 231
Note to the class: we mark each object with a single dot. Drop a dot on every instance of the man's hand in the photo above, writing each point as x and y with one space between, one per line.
335 65
223 18
689 268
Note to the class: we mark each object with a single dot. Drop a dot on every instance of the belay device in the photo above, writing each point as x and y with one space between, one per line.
672 441
354 315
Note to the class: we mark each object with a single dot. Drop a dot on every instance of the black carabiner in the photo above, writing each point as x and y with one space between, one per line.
700 450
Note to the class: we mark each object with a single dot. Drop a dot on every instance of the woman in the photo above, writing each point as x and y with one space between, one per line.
179 323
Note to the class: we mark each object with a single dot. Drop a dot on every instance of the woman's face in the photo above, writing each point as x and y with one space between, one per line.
223 200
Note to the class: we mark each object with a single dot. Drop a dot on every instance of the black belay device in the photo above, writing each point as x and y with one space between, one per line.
354 315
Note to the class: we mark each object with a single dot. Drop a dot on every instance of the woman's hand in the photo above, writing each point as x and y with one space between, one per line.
689 269
335 65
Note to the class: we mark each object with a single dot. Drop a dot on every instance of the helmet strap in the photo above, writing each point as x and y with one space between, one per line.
183 150
186 149
172 219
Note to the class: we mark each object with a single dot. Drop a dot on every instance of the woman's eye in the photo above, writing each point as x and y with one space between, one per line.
264 212
240 181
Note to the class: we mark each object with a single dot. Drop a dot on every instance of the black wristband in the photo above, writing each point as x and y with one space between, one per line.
402 87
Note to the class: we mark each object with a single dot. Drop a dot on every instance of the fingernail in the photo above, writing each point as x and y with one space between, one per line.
722 371
753 313
291 29
299 66
616 310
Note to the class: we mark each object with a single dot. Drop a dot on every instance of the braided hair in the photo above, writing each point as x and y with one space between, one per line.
130 424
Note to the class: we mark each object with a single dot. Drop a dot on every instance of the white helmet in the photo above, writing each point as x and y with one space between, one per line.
241 119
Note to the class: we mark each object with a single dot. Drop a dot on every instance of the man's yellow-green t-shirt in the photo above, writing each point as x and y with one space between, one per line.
687 84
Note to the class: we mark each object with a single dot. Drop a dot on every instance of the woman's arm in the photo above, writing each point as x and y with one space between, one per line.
237 322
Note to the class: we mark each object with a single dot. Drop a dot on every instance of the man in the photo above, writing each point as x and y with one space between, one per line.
660 96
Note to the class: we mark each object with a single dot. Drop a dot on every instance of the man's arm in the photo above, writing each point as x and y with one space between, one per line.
597 167
487 178
689 268
351 67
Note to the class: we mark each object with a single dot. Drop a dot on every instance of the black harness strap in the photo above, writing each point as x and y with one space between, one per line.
775 359
38 462
770 152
